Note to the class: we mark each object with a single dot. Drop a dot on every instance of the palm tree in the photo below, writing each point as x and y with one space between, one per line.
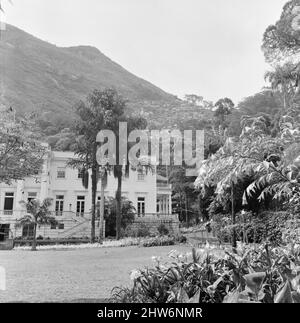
103 110
37 214
285 80
103 176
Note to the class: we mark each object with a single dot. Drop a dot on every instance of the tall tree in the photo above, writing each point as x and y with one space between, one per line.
133 123
103 110
283 39
104 177
21 153
223 108
284 79
193 99
92 117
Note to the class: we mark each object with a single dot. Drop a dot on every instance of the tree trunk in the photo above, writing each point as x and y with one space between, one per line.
102 205
33 248
200 215
180 199
186 209
234 243
94 192
119 207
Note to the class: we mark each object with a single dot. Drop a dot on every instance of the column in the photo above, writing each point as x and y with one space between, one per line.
44 181
19 198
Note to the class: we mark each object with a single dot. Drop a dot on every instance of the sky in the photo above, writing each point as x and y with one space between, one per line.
211 48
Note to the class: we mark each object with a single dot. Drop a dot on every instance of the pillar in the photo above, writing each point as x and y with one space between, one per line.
44 180
19 207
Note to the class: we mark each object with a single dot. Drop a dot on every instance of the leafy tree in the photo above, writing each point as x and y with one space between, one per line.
279 175
284 79
183 190
38 213
266 166
65 140
193 99
283 38
223 108
128 214
266 103
21 153
239 162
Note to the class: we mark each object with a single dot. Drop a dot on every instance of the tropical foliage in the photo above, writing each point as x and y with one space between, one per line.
21 153
252 275
128 215
38 213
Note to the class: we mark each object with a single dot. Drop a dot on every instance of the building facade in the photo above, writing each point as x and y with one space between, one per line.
72 203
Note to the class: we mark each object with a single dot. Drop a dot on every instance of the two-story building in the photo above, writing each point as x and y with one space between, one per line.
150 194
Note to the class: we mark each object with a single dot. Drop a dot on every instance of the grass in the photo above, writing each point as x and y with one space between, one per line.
81 275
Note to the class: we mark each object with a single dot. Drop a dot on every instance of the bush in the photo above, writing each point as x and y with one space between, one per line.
180 238
162 230
138 230
159 241
267 226
253 275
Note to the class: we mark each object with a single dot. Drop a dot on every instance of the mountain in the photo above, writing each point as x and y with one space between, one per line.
36 75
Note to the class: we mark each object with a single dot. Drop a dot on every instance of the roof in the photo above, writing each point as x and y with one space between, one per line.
63 154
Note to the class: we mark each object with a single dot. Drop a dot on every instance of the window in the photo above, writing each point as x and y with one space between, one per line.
61 226
141 206
53 226
61 172
80 205
9 203
98 202
59 205
32 196
80 173
141 175
4 232
27 231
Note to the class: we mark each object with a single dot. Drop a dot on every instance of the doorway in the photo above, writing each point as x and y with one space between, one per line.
4 232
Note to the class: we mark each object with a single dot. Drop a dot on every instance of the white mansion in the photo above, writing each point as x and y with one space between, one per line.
150 194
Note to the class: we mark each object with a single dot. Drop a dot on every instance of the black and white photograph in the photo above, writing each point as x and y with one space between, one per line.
149 154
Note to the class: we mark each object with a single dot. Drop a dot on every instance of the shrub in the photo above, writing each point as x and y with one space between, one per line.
180 238
253 275
162 230
267 226
138 230
159 241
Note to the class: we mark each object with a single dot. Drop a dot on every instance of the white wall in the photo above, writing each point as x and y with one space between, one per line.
71 186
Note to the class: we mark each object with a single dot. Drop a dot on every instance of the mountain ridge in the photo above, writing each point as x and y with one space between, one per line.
36 75
67 69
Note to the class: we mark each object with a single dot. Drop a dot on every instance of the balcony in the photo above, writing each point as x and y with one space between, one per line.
157 216
8 213
163 185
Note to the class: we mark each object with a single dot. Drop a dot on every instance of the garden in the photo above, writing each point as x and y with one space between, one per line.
239 237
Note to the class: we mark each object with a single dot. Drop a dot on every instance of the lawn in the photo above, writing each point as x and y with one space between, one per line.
68 275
